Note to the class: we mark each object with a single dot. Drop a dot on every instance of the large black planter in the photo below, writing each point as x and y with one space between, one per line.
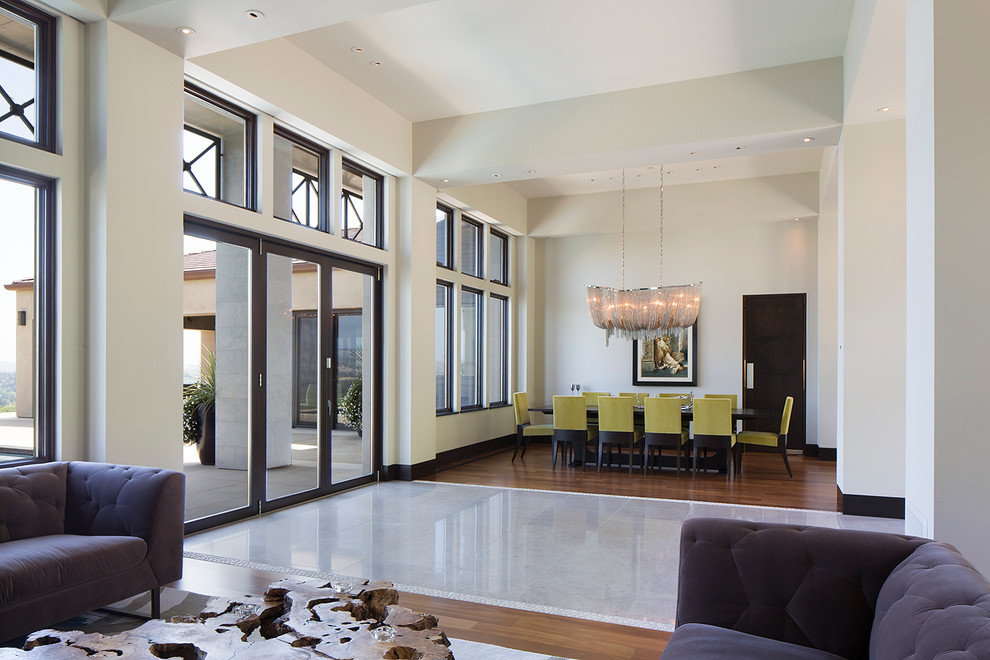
206 444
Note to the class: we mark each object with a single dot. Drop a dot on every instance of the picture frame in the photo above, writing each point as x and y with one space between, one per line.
679 350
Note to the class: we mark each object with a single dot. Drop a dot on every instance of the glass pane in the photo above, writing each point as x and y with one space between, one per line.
443 227
470 345
496 351
496 250
297 183
18 82
201 159
228 132
470 254
360 203
17 321
442 350
292 387
216 375
352 375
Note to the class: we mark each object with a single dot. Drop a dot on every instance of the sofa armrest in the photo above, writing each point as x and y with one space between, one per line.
811 586
121 500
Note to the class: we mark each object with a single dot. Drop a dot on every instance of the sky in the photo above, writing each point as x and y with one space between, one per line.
16 255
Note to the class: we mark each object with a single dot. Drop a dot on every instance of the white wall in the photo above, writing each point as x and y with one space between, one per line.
872 303
731 261
828 265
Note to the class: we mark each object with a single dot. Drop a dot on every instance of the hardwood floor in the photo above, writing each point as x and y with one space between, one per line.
763 482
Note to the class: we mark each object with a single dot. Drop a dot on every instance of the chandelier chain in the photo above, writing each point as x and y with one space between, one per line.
660 281
623 228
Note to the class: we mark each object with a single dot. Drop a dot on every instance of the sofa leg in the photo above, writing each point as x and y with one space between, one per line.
156 603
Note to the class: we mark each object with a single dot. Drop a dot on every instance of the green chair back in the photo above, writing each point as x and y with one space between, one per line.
785 420
520 404
591 398
674 395
662 415
713 416
731 397
570 413
615 413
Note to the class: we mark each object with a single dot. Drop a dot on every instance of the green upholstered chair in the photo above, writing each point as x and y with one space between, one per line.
524 428
615 428
734 398
570 423
674 395
662 417
591 398
638 396
766 439
713 429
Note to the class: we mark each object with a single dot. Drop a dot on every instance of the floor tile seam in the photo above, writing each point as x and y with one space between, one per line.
437 593
631 497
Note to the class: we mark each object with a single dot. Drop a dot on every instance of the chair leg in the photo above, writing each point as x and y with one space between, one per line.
518 444
630 457
678 450
553 463
782 443
156 603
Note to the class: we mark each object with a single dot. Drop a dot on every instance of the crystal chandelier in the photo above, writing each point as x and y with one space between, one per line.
643 313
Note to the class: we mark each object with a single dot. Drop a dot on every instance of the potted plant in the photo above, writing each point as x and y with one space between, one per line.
198 412
351 406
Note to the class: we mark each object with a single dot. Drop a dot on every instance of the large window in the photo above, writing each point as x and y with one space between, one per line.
218 149
27 317
498 257
471 329
498 353
445 224
471 246
27 74
444 331
300 176
361 204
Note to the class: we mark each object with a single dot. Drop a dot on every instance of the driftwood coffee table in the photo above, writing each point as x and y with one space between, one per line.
294 619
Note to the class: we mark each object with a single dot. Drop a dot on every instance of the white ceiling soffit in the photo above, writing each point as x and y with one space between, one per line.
875 62
455 57
222 24
741 167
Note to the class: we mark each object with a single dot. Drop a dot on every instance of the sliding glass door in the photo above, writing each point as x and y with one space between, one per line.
289 337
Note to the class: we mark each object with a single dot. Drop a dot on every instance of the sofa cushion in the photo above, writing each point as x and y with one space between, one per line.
698 641
32 501
933 605
40 565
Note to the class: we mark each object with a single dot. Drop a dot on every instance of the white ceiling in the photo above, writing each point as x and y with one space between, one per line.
446 58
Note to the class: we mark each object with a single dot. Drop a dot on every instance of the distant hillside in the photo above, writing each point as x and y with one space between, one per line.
8 393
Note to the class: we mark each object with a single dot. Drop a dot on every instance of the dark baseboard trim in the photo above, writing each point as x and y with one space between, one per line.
400 472
811 450
872 505
828 454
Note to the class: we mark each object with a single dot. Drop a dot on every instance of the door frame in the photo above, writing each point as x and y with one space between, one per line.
261 246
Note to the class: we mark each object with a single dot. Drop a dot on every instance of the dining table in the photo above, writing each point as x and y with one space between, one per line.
714 461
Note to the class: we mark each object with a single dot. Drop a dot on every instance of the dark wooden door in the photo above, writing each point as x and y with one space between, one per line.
774 331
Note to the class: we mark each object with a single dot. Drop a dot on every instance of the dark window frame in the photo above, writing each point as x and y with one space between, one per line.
505 350
503 277
250 146
348 164
45 294
45 74
323 178
449 238
449 356
479 351
479 246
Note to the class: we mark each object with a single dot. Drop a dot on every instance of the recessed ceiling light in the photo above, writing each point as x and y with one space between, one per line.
357 49
376 63
796 219
715 167
740 147
496 175
694 153
697 169
530 171
885 108
592 180
446 180
808 139
185 31
668 172
254 14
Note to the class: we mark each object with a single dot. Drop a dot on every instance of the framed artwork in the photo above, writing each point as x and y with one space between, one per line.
670 360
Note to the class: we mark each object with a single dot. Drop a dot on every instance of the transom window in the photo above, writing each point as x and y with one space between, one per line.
218 149
498 256
27 74
471 246
300 174
445 224
361 204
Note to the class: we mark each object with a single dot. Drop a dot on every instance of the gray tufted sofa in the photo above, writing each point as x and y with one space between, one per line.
760 590
77 536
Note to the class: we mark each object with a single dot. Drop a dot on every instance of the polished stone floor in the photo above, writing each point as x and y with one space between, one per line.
596 556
